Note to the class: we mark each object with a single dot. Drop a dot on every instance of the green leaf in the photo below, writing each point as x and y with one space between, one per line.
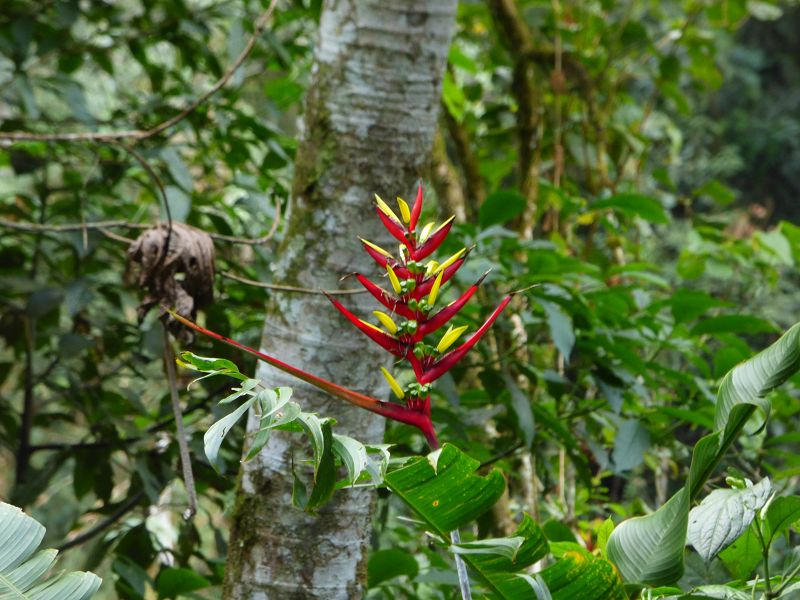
649 549
581 575
270 402
444 490
743 556
500 207
560 326
733 324
353 454
453 97
630 444
213 366
782 513
687 305
506 547
716 191
315 428
246 388
325 471
723 516
387 564
749 382
21 570
212 440
173 582
634 205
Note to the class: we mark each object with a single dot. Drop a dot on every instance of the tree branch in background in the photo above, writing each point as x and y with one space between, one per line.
183 446
290 288
446 180
121 511
36 228
518 39
24 452
140 134
474 189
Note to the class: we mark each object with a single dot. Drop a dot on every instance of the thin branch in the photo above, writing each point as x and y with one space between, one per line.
121 511
289 288
140 134
502 455
475 187
183 446
118 223
160 186
26 425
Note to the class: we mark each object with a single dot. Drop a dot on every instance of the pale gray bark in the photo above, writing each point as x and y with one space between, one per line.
370 118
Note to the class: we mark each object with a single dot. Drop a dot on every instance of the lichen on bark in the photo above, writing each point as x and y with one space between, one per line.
370 117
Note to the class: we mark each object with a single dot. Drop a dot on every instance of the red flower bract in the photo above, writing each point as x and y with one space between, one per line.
416 287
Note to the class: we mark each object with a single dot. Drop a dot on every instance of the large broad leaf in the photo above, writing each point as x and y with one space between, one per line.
578 574
650 549
723 516
444 490
21 571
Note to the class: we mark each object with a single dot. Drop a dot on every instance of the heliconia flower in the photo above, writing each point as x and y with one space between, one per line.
450 260
393 278
415 288
450 337
405 212
429 243
398 391
386 321
437 283
449 360
426 231
448 312
416 211
376 334
384 208
385 298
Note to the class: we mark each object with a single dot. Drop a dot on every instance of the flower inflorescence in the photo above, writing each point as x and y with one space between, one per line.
411 306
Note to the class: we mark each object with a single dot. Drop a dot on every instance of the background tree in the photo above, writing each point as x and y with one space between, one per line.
370 116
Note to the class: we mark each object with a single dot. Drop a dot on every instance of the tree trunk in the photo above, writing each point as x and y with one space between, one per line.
370 118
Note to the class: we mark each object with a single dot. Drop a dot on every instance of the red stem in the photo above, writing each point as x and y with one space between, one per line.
396 412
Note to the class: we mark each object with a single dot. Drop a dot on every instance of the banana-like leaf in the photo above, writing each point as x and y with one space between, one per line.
21 570
445 491
649 550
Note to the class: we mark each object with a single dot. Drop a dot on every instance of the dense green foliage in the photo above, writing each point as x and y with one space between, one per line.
626 164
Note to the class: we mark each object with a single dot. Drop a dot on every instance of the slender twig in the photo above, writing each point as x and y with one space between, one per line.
140 134
289 288
26 425
502 455
160 186
183 446
765 557
787 579
36 228
121 511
